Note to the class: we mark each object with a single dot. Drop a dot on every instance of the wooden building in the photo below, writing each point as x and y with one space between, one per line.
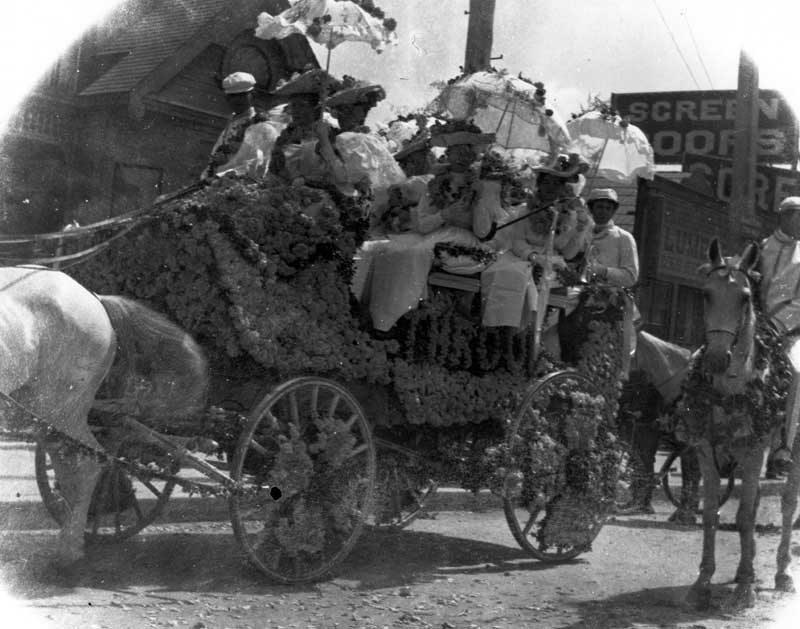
132 109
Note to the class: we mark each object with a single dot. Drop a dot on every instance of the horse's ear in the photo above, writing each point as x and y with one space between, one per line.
715 253
749 257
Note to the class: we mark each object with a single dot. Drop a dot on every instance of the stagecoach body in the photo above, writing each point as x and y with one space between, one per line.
320 425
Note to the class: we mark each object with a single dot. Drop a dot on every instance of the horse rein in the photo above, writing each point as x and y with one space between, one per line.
736 333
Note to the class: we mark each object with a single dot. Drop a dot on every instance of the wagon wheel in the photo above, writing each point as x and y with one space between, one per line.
401 495
124 502
673 486
306 467
561 480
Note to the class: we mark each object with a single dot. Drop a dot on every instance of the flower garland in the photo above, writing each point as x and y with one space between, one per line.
749 415
481 255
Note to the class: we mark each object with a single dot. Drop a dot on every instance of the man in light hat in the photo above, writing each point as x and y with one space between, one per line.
780 299
245 145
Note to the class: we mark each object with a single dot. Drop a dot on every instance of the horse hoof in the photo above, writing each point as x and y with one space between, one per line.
784 583
699 597
743 597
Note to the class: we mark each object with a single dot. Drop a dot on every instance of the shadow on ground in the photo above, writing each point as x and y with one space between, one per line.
208 559
659 607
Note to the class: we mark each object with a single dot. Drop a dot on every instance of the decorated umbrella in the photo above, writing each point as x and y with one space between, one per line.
510 107
331 22
617 150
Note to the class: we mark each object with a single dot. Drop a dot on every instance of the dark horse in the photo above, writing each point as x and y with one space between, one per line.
58 344
733 402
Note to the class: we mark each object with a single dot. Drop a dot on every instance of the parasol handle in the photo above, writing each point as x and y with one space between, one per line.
597 166
544 292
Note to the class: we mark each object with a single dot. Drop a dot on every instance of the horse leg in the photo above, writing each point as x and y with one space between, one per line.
690 488
700 593
77 473
750 465
783 580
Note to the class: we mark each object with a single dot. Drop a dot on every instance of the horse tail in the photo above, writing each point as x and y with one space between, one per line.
159 372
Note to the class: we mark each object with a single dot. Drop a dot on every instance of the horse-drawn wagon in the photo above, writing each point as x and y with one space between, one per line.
317 425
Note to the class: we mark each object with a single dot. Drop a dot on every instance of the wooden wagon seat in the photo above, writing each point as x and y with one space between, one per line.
561 297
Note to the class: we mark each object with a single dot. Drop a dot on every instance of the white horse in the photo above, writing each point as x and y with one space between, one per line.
58 344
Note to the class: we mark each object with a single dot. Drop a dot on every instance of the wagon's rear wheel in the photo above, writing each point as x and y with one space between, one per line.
306 467
561 480
123 502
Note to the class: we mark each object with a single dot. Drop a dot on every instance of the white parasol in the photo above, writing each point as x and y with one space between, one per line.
617 150
510 107
330 22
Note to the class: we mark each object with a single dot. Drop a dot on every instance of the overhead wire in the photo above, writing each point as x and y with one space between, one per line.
677 47
697 50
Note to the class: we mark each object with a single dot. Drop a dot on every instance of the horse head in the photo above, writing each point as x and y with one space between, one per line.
729 315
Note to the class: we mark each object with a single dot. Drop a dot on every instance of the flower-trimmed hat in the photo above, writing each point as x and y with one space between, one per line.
353 91
565 166
315 82
455 132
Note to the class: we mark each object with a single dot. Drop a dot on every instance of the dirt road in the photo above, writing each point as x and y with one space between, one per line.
459 569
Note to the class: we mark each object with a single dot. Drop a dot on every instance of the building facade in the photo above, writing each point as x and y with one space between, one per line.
132 109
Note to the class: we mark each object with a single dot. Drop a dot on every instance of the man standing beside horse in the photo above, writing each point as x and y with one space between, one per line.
780 300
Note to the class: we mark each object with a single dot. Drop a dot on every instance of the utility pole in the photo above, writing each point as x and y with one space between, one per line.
478 54
745 153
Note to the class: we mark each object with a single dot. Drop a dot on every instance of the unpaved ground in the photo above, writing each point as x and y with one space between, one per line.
461 569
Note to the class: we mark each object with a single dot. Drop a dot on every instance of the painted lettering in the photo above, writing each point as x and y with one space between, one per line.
660 111
730 109
685 110
727 142
769 108
771 142
700 142
710 109
667 143
637 112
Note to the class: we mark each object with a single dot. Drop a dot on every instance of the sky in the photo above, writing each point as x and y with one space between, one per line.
577 48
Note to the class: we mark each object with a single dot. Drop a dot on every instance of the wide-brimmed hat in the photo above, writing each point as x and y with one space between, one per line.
238 83
353 91
789 203
314 82
459 132
567 167
609 194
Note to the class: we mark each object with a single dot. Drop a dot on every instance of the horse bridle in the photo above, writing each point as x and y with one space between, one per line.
745 312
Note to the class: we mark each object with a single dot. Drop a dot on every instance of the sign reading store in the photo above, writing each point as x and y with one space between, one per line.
702 122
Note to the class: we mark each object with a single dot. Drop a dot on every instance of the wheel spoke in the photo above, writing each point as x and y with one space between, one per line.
294 413
153 489
258 447
333 405
356 451
529 524
314 400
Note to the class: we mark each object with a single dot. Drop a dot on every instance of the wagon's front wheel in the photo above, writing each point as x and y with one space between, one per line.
123 503
305 465
561 478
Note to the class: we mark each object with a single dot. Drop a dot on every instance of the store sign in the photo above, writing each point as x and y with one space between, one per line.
685 234
703 122
771 184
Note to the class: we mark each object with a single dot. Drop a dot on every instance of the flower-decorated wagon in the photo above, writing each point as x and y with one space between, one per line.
321 425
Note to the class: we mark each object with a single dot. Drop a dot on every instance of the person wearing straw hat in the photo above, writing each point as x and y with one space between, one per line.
304 152
779 265
245 145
